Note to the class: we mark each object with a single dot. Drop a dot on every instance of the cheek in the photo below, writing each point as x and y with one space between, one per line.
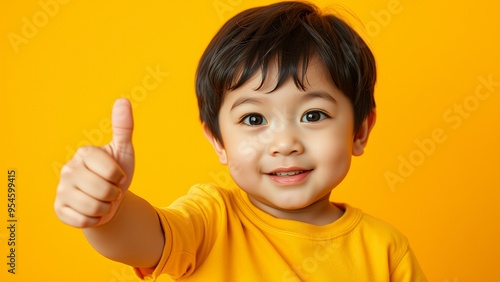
242 167
334 154
242 156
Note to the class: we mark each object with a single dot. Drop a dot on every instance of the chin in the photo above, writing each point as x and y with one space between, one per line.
291 205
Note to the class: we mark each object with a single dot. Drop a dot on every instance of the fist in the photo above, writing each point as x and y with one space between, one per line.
94 182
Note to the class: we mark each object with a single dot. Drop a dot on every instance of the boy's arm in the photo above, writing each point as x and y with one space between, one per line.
133 236
93 194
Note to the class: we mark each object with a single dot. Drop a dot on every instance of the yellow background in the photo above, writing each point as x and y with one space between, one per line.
431 168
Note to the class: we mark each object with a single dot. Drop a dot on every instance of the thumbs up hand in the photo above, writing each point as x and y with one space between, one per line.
120 148
94 182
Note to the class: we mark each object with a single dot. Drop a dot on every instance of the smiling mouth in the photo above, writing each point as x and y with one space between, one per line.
288 173
290 177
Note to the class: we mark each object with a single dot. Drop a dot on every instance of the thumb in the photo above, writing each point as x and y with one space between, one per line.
123 125
120 147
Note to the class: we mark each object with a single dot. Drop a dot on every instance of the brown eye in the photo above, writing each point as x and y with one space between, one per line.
313 116
254 120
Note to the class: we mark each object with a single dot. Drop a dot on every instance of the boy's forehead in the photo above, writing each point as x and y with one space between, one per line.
315 75
317 81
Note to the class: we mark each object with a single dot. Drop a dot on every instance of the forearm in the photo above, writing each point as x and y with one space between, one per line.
134 236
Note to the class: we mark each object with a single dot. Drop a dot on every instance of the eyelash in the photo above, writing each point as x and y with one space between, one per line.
322 115
262 120
245 119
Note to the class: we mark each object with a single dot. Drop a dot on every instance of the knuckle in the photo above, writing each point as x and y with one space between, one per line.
66 169
72 218
67 218
58 208
80 222
62 189
109 171
60 192
71 167
84 151
112 173
97 208
108 193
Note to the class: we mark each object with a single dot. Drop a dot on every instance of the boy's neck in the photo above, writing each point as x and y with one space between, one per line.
321 212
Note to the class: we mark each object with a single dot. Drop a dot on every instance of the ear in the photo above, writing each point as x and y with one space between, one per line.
361 137
219 148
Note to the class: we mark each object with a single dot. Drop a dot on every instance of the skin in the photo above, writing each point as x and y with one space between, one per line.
283 132
307 133
93 195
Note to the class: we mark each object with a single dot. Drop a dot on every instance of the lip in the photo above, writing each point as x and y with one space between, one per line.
289 176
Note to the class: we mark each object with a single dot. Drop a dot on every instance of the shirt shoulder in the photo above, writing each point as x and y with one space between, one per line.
381 230
382 237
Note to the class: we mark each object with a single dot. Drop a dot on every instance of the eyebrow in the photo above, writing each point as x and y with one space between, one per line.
318 94
304 97
246 100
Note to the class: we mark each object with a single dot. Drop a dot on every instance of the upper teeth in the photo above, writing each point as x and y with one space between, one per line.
288 173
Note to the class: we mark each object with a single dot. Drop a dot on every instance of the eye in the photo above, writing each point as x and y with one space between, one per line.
313 116
254 120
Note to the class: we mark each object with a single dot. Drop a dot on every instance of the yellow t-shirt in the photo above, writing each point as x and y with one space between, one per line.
216 234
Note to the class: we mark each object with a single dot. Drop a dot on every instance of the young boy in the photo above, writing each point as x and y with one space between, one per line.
286 98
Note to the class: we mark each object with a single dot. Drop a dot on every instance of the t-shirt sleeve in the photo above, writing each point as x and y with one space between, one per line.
408 269
189 226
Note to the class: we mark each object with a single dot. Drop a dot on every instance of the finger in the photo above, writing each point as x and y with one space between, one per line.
122 123
94 185
84 204
101 163
74 218
71 165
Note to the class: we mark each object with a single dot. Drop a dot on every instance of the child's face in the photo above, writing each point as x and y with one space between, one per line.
289 148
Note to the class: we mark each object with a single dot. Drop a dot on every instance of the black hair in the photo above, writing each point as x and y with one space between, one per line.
289 33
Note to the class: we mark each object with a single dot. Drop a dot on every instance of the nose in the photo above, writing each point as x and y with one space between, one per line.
286 142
